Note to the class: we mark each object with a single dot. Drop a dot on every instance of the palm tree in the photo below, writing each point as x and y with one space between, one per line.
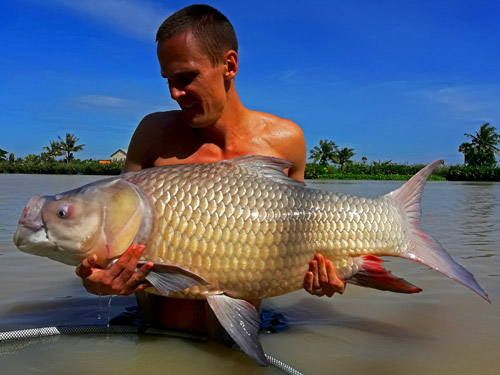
54 150
69 146
467 149
380 163
344 156
3 154
481 150
325 152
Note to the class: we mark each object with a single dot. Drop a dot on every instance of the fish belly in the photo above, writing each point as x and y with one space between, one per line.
252 237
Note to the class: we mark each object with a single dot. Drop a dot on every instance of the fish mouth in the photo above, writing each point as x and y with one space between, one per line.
30 225
33 241
31 236
32 214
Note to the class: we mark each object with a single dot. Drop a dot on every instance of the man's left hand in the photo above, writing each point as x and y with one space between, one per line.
321 279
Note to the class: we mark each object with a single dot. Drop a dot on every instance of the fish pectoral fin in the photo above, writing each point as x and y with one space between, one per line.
373 275
168 278
241 321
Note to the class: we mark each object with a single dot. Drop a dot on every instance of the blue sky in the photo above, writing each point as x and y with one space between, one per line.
400 80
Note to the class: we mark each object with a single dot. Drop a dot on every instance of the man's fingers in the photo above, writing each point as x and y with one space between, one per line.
335 283
313 267
312 278
84 269
130 268
308 281
142 287
323 275
140 275
125 266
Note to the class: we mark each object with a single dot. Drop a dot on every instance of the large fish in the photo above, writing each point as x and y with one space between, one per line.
236 230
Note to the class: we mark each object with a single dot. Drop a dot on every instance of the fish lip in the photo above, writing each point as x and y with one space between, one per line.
34 226
26 233
31 224
31 217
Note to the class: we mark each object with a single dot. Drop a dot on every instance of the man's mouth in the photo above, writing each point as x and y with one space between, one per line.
189 107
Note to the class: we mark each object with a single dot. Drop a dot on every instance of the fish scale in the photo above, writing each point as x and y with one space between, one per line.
239 233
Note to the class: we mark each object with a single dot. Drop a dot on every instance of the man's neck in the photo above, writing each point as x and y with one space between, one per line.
230 127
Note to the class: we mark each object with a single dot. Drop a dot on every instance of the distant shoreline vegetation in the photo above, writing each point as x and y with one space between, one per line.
88 167
479 161
353 171
393 171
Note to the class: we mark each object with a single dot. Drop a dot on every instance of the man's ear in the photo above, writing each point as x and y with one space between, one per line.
231 63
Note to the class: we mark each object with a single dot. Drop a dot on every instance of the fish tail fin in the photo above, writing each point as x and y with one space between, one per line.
423 248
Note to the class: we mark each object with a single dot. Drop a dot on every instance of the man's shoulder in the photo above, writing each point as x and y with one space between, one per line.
160 120
283 138
277 126
155 133
160 127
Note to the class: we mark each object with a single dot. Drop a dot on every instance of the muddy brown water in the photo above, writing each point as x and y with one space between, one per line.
446 329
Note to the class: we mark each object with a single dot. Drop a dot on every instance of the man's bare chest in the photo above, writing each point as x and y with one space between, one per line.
211 153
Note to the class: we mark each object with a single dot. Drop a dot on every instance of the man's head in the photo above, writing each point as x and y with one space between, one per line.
213 32
198 57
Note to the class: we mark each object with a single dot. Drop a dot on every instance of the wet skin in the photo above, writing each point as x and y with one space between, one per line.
212 125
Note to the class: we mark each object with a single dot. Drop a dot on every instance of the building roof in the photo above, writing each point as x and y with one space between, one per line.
120 150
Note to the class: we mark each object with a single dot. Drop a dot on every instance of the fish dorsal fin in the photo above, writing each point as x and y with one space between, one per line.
266 166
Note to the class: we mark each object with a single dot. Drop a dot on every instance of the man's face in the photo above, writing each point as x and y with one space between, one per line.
197 86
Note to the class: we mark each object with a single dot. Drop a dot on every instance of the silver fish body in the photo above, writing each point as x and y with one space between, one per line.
252 236
236 230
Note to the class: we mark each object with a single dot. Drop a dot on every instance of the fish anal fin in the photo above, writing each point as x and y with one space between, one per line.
241 321
373 275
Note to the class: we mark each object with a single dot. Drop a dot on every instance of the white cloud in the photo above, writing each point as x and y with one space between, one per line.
465 98
96 103
102 101
137 18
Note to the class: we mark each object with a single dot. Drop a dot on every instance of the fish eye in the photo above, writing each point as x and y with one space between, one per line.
63 211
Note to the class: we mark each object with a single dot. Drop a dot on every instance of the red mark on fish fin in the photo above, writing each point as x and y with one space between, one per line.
374 275
419 232
373 258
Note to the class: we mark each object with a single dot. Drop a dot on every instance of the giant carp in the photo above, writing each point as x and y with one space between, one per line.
236 230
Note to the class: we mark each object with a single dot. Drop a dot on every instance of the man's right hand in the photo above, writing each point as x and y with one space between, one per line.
122 278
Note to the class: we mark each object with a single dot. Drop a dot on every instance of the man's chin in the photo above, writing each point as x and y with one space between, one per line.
199 122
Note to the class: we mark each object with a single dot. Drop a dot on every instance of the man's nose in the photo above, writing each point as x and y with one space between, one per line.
175 93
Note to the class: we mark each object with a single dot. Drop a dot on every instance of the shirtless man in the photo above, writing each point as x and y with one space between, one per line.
197 51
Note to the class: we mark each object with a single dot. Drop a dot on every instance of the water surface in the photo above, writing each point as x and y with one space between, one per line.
446 329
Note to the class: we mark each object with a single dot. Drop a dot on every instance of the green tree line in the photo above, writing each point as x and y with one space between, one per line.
332 162
328 161
57 158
